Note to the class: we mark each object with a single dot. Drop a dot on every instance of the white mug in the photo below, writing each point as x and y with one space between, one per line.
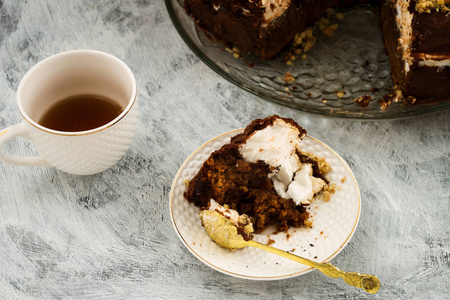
78 72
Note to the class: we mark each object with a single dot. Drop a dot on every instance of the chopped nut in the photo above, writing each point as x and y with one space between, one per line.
329 30
289 78
235 51
309 223
363 101
328 191
387 99
409 100
426 6
301 43
340 94
326 196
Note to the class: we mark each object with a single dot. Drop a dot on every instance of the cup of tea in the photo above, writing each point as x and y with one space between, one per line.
79 110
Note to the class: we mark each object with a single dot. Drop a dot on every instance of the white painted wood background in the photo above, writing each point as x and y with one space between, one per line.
109 236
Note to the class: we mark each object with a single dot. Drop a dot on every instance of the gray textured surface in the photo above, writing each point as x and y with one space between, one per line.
109 236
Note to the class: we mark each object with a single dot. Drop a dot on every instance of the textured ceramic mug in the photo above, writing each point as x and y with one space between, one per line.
67 74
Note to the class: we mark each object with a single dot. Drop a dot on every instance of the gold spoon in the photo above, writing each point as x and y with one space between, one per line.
224 233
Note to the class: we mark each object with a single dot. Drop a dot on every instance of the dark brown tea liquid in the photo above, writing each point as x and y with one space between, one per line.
80 113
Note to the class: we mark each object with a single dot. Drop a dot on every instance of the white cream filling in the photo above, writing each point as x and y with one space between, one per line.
434 63
276 145
404 20
303 188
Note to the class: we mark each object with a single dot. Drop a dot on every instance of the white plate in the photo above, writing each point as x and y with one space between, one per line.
334 221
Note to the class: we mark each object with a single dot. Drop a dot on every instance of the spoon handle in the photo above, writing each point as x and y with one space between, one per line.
369 283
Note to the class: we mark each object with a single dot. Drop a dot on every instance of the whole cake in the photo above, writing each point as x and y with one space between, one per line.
416 34
263 174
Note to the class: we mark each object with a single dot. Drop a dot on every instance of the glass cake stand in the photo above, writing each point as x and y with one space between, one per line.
339 68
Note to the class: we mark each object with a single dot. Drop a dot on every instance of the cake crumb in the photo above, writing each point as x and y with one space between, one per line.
330 11
323 165
302 43
289 78
235 51
328 191
340 94
363 101
270 242
409 100
329 30
389 98
309 223
186 182
344 179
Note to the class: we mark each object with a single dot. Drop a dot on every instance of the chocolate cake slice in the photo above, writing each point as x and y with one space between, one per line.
263 174
262 27
417 39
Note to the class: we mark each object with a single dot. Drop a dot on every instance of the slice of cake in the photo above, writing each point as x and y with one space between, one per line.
417 39
262 173
262 27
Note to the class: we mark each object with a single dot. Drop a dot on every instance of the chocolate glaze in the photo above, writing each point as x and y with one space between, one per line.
428 83
431 33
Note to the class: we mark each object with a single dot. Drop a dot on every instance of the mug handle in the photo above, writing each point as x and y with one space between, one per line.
19 130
